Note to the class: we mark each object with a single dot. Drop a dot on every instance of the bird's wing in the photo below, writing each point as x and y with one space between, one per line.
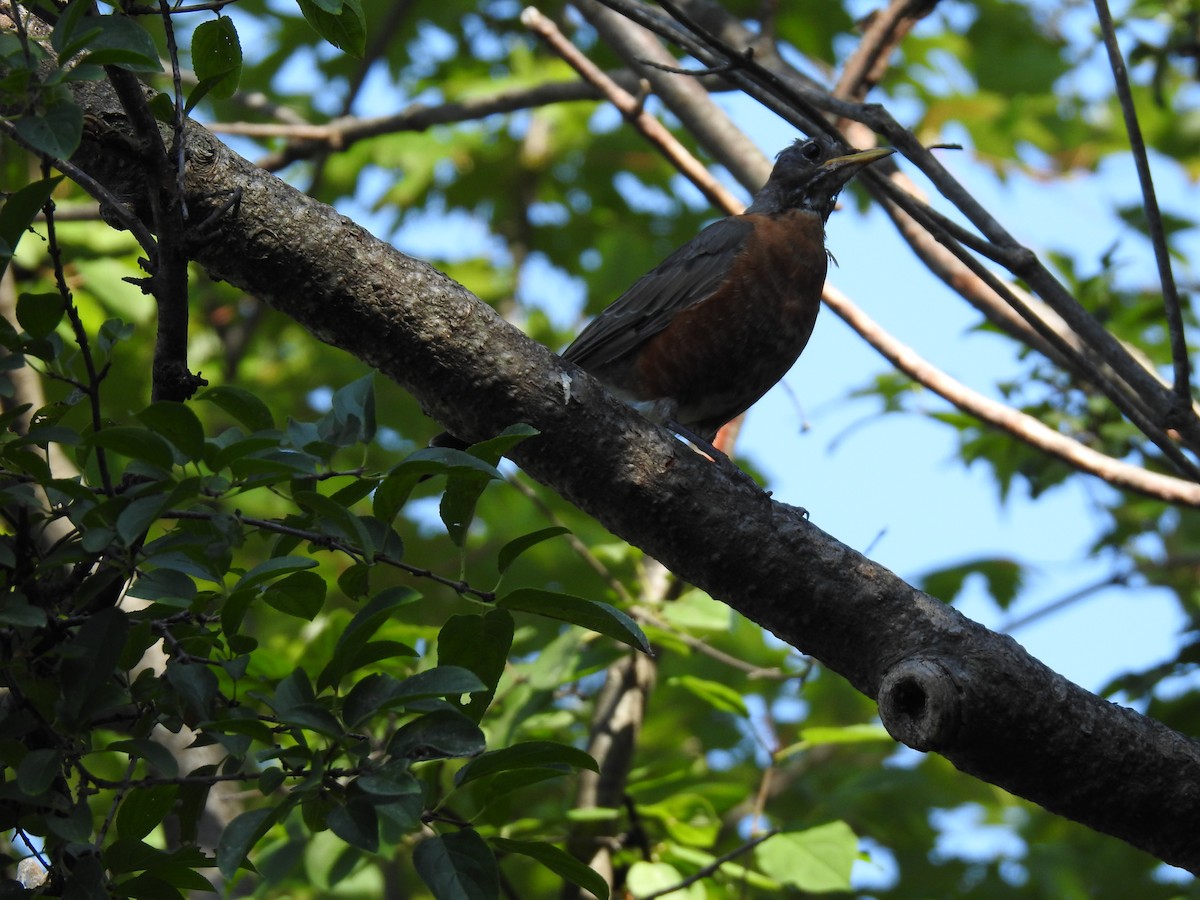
683 279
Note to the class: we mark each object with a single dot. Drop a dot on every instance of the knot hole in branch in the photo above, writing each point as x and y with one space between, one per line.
920 704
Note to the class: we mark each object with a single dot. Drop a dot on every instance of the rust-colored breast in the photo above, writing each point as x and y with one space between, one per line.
719 356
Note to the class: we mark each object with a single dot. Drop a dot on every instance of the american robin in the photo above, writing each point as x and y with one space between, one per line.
701 337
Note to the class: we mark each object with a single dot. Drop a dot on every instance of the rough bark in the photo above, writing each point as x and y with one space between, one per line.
945 683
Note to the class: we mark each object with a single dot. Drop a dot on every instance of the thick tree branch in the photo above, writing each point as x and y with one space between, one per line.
1000 714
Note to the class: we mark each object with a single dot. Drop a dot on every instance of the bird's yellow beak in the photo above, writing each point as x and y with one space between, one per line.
858 159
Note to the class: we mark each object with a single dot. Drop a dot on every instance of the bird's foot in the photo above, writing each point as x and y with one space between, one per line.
717 456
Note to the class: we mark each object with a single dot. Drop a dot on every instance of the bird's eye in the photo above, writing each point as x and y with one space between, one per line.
810 150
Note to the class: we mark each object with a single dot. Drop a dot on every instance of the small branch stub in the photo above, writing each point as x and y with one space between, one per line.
920 704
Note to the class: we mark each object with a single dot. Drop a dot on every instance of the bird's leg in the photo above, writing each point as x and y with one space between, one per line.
718 456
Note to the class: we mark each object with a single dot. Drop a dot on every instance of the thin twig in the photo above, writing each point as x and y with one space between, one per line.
92 388
629 106
1154 224
328 542
108 201
122 788
712 867
1114 580
681 70
771 673
137 9
582 550
177 112
310 140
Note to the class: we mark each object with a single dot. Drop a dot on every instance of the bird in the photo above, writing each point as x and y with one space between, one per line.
700 338
704 335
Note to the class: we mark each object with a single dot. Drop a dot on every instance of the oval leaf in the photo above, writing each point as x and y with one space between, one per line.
559 862
458 866
591 614
533 754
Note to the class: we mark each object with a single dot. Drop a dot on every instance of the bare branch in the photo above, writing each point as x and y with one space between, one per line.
311 140
703 872
1027 428
687 97
1179 350
629 106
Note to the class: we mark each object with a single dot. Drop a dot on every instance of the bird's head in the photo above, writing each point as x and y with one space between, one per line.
810 174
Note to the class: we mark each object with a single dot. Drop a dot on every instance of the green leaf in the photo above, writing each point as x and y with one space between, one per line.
369 696
242 405
480 644
57 129
387 784
67 31
346 30
651 877
217 57
311 717
688 818
351 419
167 586
441 681
121 41
86 676
273 568
355 636
557 861
719 696
393 493
178 424
845 734
144 809
514 548
463 490
494 448
591 614
136 518
458 866
240 836
152 752
17 214
141 444
40 313
444 734
345 522
196 686
457 508
817 859
529 755
355 823
1004 578
38 770
301 594
17 611
697 611
378 692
